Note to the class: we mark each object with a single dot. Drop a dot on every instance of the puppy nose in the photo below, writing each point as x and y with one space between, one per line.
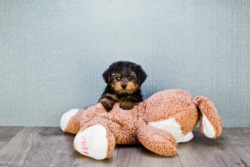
124 86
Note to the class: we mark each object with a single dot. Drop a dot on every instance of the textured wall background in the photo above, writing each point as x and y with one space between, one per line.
52 53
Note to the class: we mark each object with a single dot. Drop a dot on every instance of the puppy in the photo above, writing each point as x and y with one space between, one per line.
124 80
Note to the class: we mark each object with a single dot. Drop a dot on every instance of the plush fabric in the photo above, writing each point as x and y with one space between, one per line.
158 123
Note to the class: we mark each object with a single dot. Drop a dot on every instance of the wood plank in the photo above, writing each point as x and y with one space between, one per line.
205 152
7 133
51 147
139 156
123 156
31 147
238 140
66 156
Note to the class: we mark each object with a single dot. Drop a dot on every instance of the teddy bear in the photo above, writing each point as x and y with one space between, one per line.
159 123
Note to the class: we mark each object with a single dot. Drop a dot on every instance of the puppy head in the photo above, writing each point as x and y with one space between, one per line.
124 77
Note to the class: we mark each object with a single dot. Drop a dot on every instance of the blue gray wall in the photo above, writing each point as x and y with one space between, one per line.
52 53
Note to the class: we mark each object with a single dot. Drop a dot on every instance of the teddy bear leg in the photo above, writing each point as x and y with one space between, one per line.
95 141
210 122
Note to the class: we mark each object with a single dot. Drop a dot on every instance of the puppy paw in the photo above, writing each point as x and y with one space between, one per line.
107 103
127 105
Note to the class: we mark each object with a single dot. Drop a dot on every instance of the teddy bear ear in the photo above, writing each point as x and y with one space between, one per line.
106 75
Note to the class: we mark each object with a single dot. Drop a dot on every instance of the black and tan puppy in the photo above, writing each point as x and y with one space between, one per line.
124 80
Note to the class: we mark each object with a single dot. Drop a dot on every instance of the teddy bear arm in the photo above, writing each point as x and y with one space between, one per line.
70 121
157 141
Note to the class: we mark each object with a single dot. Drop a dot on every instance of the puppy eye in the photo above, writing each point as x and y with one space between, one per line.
130 78
118 78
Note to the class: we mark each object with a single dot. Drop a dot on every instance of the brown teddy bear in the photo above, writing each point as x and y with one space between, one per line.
158 123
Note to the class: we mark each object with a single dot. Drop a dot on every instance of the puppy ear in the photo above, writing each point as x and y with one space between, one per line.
106 76
141 75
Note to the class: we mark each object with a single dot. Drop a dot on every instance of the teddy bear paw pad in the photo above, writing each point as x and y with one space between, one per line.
186 138
92 142
208 128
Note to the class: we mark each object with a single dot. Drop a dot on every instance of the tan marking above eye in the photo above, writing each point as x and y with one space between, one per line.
133 75
115 75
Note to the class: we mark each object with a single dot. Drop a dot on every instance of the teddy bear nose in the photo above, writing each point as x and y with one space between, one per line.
124 86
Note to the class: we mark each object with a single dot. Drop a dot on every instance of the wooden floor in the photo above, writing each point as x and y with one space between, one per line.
50 147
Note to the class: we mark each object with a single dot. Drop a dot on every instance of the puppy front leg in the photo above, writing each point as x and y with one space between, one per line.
127 103
107 103
108 100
